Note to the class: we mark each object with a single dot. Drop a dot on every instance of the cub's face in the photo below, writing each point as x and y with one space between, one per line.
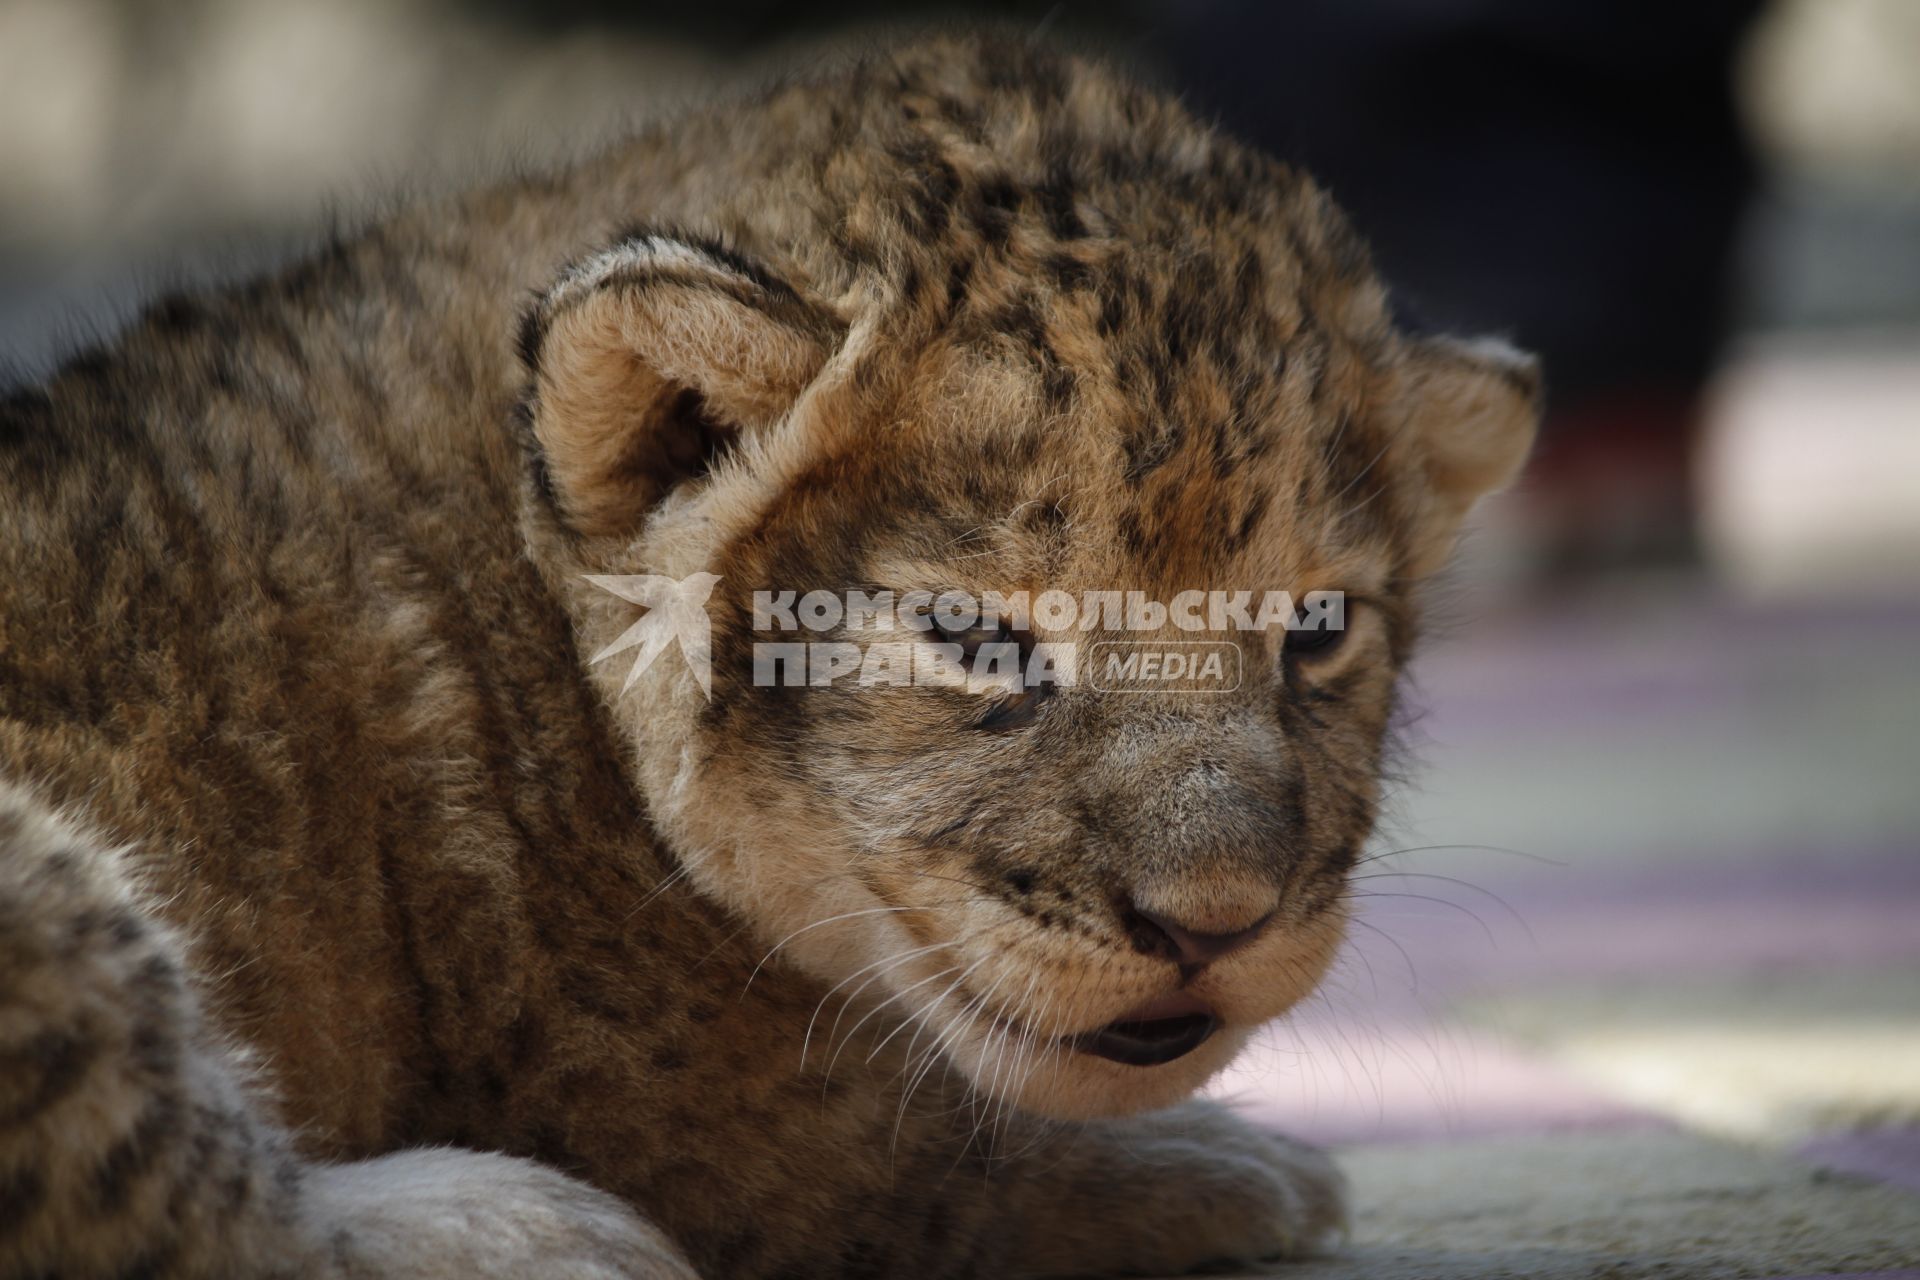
1081 882
1088 883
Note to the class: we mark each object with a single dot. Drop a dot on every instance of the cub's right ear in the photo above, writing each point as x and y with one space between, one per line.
650 360
1473 407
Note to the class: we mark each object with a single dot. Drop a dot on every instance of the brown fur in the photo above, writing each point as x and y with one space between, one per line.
361 856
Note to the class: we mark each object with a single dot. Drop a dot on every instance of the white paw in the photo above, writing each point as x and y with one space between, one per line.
462 1215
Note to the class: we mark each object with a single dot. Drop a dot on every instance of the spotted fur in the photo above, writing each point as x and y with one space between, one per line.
354 922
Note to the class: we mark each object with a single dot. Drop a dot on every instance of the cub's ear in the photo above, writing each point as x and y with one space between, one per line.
650 360
1471 408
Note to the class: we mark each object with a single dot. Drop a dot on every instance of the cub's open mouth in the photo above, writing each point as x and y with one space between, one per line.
1158 1032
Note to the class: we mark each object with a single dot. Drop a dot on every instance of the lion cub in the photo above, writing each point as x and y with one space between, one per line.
721 712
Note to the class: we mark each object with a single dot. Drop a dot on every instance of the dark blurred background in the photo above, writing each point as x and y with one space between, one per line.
1659 868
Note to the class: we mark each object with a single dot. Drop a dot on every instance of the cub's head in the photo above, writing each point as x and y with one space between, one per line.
1026 413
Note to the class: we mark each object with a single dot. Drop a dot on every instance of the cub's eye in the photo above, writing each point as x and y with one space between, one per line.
1012 712
998 652
971 639
1313 642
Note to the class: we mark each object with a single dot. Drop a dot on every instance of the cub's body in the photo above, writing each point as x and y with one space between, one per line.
323 843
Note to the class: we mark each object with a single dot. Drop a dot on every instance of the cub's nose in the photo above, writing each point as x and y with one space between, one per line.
1159 933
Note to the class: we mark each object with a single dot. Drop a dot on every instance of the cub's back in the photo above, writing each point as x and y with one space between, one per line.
267 621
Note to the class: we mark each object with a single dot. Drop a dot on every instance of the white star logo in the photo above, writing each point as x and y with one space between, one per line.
676 610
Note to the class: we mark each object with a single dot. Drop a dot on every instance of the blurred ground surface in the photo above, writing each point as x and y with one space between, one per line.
1671 1025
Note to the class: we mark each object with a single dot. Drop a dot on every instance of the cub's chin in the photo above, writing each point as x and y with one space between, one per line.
1117 1070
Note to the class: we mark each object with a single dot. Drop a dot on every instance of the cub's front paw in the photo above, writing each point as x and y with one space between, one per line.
460 1215
1190 1188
